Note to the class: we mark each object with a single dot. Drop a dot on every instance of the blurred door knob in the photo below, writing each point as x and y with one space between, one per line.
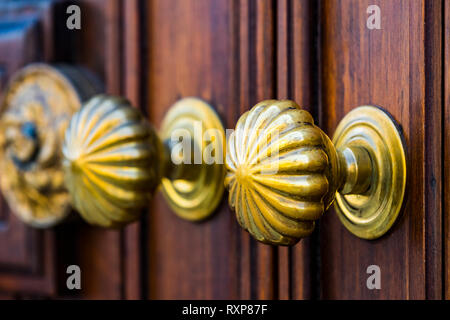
102 157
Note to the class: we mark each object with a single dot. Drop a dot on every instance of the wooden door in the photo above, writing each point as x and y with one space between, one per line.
27 256
399 68
33 262
233 54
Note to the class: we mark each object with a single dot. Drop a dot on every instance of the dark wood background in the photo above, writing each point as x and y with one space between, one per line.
400 69
234 53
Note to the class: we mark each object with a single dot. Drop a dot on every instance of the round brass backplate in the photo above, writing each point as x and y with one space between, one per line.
196 198
35 111
372 214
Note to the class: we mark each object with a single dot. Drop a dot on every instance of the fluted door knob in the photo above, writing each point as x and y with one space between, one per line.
283 172
101 156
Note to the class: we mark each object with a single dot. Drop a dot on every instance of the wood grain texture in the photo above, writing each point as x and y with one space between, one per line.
296 78
105 257
27 256
191 56
98 46
234 54
260 63
433 148
131 33
222 52
396 68
446 151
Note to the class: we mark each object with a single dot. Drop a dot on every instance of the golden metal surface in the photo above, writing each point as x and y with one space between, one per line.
111 161
370 213
105 160
283 172
35 111
194 190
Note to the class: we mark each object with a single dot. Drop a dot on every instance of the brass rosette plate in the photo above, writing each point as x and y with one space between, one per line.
195 195
371 214
35 111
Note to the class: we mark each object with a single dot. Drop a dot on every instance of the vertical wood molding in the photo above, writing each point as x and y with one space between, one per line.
283 47
297 72
134 285
396 68
246 246
99 47
263 33
434 138
446 150
27 256
193 260
259 262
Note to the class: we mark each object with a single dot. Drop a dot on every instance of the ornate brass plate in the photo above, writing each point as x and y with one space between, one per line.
196 193
371 214
35 111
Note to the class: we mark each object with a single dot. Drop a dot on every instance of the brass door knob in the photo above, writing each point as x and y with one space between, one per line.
283 172
101 156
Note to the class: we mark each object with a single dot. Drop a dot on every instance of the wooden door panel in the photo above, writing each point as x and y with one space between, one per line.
34 261
234 54
100 253
18 46
397 68
191 56
27 256
223 52
446 150
297 79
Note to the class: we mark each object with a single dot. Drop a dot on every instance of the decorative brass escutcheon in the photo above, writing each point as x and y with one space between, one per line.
283 172
101 157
